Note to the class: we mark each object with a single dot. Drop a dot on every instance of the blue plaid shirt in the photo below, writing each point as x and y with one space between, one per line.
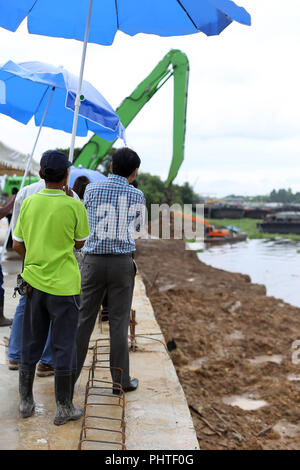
115 211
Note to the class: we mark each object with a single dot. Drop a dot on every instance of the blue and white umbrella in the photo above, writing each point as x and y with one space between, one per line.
93 175
27 88
67 18
47 94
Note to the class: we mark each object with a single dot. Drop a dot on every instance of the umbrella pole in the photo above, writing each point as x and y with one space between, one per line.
36 140
77 100
27 169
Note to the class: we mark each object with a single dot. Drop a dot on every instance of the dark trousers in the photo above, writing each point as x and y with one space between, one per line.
63 311
114 275
1 282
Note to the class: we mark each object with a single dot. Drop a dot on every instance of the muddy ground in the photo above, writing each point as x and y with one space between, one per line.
220 322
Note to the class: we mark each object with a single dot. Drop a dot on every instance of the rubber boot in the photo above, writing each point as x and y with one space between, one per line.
64 387
3 321
73 381
26 378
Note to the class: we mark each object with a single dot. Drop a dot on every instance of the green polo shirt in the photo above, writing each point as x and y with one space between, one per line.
48 224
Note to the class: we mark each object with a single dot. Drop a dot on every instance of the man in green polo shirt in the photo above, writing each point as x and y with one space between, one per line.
50 224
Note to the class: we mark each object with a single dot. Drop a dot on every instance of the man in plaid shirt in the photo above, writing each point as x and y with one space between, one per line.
115 211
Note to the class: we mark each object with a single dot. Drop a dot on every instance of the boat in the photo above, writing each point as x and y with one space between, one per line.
224 211
281 222
234 235
229 239
227 234
256 212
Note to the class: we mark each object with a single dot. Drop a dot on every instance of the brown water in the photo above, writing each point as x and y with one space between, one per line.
274 263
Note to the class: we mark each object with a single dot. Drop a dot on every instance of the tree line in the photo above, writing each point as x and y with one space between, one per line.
285 196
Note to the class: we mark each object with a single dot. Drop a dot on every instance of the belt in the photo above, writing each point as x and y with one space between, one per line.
110 254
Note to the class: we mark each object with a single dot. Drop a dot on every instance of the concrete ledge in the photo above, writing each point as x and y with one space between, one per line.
157 415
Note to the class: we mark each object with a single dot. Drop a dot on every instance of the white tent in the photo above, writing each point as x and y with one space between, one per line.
11 158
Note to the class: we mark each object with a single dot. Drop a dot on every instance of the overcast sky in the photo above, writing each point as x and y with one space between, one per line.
243 115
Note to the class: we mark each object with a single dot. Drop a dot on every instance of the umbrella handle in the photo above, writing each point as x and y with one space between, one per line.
78 93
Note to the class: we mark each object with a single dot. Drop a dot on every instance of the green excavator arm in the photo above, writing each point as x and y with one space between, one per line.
175 64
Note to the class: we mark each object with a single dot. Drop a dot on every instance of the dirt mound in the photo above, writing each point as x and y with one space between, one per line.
230 342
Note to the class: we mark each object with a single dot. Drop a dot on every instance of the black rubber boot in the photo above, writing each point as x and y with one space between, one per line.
65 410
26 378
73 381
3 321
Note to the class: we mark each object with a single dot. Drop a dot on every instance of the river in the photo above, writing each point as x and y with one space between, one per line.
274 263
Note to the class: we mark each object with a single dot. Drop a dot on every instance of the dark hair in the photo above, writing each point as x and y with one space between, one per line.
53 176
58 172
80 184
135 184
125 161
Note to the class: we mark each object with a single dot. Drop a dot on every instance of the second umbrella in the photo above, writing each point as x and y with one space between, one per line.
47 93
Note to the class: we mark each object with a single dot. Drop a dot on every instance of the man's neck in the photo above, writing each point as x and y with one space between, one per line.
129 179
54 186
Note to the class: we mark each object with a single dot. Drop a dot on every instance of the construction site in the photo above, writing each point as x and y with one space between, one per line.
215 356
205 136
156 416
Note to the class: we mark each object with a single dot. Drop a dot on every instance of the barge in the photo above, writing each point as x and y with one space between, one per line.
281 222
223 212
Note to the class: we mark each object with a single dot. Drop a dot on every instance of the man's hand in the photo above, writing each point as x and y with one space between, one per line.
7 209
79 244
68 191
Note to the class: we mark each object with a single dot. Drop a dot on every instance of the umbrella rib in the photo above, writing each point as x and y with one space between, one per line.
44 94
32 7
117 13
9 78
87 127
187 13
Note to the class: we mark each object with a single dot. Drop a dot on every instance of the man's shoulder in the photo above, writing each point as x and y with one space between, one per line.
65 201
94 188
29 190
26 203
29 198
72 202
108 184
77 203
136 192
97 185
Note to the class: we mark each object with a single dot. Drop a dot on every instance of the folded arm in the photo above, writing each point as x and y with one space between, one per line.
19 247
79 244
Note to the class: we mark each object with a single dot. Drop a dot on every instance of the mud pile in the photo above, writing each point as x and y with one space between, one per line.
231 345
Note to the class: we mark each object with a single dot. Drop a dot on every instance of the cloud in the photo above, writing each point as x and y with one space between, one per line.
243 115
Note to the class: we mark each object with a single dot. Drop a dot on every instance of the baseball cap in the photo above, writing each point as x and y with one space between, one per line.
54 161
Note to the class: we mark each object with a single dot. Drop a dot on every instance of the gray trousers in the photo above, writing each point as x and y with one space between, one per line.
113 274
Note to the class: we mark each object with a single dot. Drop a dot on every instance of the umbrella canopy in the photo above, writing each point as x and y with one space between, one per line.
162 17
98 21
92 175
25 91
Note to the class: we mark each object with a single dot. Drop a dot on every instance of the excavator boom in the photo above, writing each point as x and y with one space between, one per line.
175 64
212 231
